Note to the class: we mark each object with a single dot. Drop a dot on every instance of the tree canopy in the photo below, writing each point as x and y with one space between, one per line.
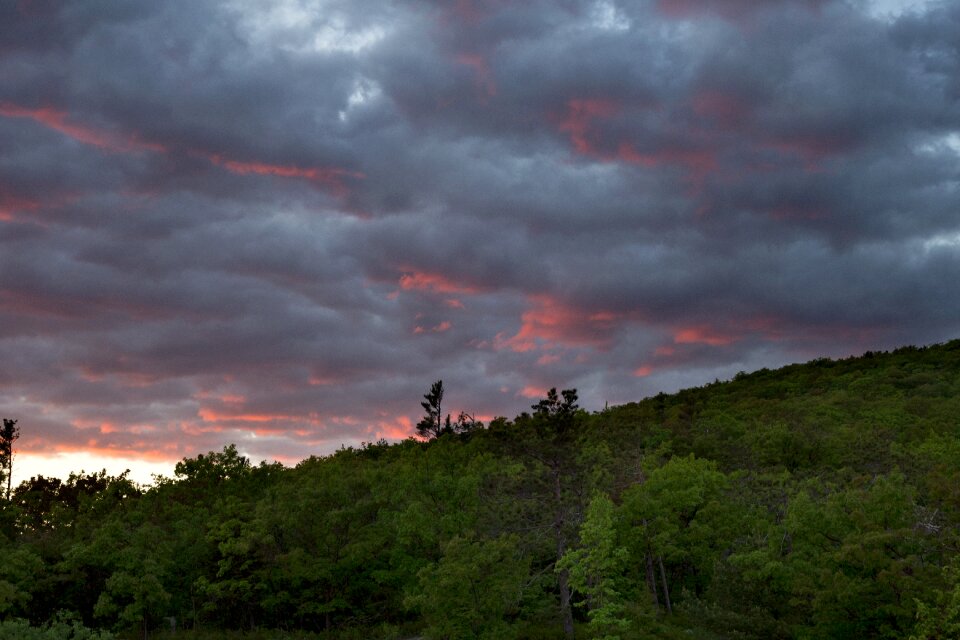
816 501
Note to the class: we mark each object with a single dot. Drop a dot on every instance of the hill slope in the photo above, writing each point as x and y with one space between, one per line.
866 413
820 500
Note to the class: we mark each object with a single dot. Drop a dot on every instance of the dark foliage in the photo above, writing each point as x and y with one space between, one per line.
817 501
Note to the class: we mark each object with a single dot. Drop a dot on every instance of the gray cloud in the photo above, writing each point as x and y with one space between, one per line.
278 224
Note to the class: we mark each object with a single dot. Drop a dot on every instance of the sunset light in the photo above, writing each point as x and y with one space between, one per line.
276 225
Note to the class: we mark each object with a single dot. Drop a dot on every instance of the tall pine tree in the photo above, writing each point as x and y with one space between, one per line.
8 435
432 425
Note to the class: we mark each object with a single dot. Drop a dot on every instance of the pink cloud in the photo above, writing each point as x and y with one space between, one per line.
59 121
579 123
330 177
439 328
532 391
643 370
549 323
434 282
211 415
397 428
702 335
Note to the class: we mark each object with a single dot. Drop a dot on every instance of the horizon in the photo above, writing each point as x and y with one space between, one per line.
145 475
276 225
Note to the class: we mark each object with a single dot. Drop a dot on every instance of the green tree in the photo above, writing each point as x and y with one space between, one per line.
547 443
214 468
857 556
232 595
675 517
474 590
595 569
18 573
321 543
123 564
64 627
134 596
941 619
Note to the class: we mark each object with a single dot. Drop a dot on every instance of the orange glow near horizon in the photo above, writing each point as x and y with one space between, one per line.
62 464
399 428
96 448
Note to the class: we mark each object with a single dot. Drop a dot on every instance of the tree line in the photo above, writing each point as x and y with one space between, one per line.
815 501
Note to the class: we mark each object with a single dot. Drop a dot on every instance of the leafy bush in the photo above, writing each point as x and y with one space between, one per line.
61 629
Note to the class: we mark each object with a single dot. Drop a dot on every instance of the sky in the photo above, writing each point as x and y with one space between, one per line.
275 224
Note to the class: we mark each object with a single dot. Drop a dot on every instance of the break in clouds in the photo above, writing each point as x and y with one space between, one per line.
277 223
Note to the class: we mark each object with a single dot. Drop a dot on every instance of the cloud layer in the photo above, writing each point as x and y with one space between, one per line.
277 223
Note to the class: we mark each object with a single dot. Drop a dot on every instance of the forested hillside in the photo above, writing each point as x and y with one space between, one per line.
820 500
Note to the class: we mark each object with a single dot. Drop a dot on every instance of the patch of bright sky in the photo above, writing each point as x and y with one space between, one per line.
60 465
947 143
364 90
943 241
304 26
952 140
893 9
335 36
606 16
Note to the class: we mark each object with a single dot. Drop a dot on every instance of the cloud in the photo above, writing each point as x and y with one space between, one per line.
278 225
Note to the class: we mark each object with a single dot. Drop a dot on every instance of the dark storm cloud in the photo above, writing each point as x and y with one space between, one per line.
277 224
